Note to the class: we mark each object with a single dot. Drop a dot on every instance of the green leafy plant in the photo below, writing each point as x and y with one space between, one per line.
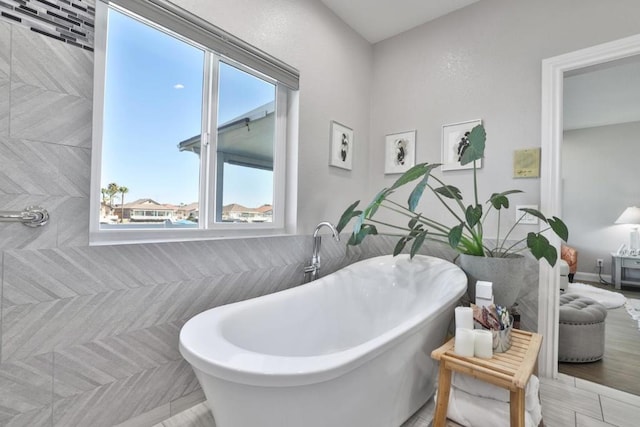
466 235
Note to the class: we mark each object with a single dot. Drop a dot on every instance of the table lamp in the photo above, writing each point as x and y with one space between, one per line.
631 215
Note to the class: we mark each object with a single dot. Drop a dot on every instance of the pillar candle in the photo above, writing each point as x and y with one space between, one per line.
483 344
464 342
464 317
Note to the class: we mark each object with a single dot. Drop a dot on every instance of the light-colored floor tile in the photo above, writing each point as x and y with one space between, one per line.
620 414
187 402
584 421
155 415
622 396
566 379
563 405
553 393
557 416
197 416
422 417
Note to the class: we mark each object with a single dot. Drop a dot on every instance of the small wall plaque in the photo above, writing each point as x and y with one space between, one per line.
526 163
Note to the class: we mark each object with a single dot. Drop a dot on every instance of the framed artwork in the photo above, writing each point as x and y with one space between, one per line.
526 163
454 137
341 146
399 152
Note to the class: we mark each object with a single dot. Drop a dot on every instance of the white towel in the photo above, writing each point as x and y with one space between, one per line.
472 410
482 389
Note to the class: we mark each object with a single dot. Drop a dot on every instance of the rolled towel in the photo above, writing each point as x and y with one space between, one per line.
474 411
480 388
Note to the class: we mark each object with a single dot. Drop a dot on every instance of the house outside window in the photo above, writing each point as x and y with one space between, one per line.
188 143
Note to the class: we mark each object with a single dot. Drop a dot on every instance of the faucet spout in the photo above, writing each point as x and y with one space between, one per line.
330 226
313 270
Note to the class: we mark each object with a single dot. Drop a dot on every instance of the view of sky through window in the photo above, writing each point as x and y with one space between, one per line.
153 101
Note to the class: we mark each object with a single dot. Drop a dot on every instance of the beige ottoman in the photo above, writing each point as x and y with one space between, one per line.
581 329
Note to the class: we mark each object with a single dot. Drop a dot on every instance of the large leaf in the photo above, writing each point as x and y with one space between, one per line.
475 149
449 191
365 230
372 207
535 213
455 234
358 225
349 213
417 243
500 200
400 245
559 227
415 231
375 203
413 221
412 174
551 255
541 248
473 215
416 194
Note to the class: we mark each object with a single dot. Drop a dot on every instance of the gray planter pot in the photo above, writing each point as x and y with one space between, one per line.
506 274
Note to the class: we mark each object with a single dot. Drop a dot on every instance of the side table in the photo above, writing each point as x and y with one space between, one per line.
619 266
511 370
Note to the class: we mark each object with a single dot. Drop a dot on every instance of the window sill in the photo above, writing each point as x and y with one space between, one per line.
129 237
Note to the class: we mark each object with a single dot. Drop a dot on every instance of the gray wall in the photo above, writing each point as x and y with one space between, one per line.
599 181
483 61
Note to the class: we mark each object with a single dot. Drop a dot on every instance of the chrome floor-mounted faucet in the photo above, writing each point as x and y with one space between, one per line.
312 271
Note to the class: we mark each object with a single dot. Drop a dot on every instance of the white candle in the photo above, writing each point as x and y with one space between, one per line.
464 317
463 344
483 344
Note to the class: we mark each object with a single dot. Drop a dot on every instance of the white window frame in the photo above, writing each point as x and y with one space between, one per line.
284 166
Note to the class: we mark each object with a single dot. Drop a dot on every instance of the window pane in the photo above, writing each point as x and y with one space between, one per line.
152 125
240 205
245 146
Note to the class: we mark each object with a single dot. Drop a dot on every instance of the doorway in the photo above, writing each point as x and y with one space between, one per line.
554 71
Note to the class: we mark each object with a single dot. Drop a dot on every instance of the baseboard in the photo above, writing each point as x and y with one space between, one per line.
150 418
591 277
164 412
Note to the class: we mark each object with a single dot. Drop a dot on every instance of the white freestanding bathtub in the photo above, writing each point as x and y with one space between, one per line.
350 349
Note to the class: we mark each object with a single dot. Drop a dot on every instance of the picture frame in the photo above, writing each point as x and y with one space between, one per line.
526 163
452 135
399 152
341 146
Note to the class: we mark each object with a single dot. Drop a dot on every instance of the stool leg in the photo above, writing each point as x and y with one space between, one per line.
516 407
444 387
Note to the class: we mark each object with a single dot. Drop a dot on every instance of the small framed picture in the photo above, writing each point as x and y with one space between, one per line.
526 163
341 155
399 152
454 138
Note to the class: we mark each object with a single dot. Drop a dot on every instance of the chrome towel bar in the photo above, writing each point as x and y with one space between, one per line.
33 216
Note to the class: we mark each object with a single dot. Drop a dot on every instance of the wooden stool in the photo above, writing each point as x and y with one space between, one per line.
511 370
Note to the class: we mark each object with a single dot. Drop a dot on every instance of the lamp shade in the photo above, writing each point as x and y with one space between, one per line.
631 215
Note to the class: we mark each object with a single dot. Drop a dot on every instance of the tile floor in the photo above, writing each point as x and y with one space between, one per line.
566 402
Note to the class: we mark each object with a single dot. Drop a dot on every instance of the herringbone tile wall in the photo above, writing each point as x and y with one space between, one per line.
89 335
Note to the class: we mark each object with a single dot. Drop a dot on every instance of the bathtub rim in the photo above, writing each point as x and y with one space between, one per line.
259 369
